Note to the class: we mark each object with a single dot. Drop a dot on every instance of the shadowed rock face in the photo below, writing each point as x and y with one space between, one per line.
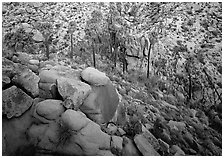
108 100
101 104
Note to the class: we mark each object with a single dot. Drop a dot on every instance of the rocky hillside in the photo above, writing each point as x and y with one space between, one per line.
105 78
50 108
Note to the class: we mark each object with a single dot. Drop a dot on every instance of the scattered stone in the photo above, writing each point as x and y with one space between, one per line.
176 151
23 58
193 112
188 138
202 117
75 90
180 96
5 81
94 76
15 102
34 68
165 104
50 109
192 152
163 146
37 36
34 62
121 131
171 99
176 125
121 114
112 129
144 146
15 59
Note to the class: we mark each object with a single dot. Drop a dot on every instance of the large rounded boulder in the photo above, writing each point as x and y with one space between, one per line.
102 102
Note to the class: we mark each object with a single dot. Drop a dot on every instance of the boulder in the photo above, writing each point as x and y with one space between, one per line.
51 74
74 120
50 109
101 104
129 148
44 136
8 68
14 133
28 80
91 138
151 139
75 90
15 102
45 94
144 146
48 91
48 76
51 139
116 143
94 76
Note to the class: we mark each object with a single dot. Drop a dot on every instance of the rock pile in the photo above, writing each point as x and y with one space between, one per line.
46 109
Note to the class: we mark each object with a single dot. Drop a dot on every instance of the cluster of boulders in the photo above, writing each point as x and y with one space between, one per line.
52 109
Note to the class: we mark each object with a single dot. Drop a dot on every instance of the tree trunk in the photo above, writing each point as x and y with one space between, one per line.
190 86
149 59
71 53
115 57
47 50
94 59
